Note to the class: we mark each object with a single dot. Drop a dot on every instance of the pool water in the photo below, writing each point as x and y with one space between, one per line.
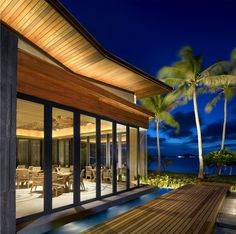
90 221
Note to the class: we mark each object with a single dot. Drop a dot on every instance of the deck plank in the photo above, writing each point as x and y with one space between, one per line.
190 209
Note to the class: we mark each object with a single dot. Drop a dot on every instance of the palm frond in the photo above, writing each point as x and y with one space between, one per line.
186 53
169 120
211 70
173 82
198 65
148 104
173 100
189 92
233 54
221 80
171 71
211 104
229 92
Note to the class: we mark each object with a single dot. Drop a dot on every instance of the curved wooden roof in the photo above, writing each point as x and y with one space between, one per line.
51 28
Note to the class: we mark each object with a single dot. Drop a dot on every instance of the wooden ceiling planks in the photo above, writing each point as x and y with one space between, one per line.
55 84
46 26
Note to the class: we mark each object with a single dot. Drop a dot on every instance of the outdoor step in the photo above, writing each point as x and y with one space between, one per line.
227 214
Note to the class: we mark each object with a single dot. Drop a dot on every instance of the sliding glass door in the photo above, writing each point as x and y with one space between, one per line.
121 157
29 158
62 157
83 156
88 156
106 158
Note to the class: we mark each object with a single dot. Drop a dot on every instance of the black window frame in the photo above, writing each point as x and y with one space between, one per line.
48 105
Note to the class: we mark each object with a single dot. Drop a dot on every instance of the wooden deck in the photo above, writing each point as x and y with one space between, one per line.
190 209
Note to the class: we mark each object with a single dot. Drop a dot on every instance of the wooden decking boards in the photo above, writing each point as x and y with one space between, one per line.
190 209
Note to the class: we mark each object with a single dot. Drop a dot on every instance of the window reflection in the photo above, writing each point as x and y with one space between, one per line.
62 157
133 147
121 157
29 158
106 157
87 157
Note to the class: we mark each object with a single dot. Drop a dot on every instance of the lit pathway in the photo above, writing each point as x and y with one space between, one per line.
190 209
226 221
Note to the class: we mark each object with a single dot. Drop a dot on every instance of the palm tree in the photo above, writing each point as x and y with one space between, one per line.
221 79
161 106
184 76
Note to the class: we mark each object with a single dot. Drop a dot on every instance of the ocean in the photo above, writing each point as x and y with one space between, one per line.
187 165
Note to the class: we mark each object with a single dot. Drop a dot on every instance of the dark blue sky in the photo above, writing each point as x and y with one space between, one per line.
149 34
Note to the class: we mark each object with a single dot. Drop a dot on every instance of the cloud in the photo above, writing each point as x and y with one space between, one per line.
186 122
213 132
153 140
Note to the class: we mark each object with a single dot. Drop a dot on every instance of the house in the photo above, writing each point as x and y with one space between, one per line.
71 131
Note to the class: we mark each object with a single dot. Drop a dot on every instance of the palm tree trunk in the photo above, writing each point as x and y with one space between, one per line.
220 170
199 136
158 148
224 125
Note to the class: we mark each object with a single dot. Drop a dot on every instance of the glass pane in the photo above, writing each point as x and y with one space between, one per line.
106 157
143 154
62 157
87 157
29 158
121 157
133 156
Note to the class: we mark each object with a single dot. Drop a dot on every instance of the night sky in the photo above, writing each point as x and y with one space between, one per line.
149 34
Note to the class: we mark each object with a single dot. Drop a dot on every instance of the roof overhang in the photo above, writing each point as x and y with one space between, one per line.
51 28
44 80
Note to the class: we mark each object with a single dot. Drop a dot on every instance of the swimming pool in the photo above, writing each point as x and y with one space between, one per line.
90 221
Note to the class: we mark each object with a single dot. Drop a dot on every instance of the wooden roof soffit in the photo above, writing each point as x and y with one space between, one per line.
51 28
41 79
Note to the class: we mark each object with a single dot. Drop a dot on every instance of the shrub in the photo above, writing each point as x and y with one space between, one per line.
170 180
218 159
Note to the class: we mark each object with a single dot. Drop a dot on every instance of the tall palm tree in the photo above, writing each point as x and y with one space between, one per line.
184 76
161 106
221 79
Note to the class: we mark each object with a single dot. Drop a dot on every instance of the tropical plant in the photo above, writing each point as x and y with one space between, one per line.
231 160
161 106
166 162
184 76
220 159
221 80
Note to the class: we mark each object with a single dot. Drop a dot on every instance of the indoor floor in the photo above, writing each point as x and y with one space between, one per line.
28 202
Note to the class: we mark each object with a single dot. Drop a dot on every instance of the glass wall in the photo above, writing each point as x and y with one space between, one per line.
106 157
62 157
87 157
29 158
121 157
30 169
143 153
133 148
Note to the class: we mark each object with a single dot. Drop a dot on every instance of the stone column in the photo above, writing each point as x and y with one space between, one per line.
8 74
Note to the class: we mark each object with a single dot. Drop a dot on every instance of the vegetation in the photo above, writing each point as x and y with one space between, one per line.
170 180
184 76
188 80
166 162
222 83
161 106
176 180
220 159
